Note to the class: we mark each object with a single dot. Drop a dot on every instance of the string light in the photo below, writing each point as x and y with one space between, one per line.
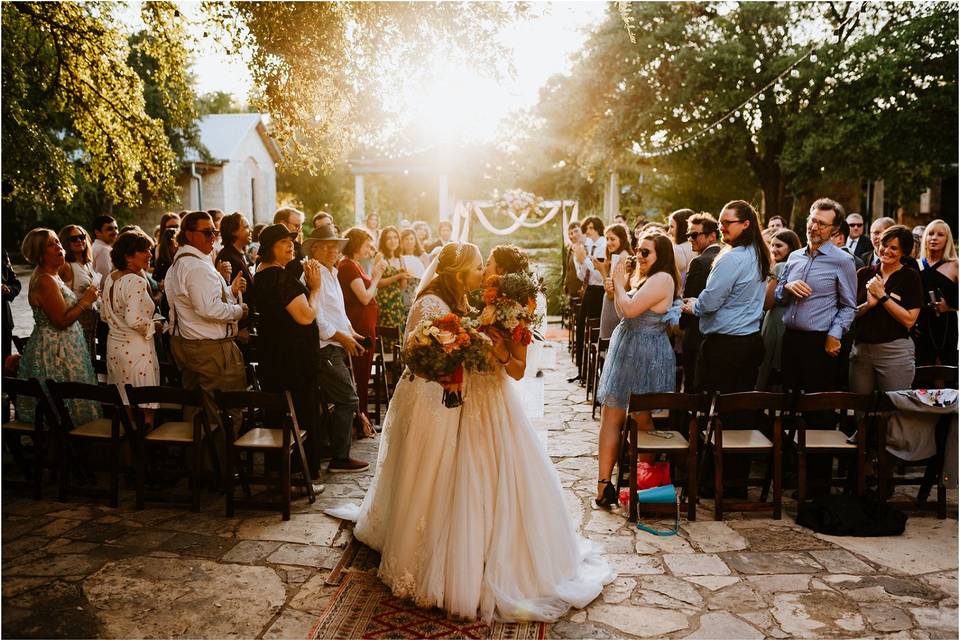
747 104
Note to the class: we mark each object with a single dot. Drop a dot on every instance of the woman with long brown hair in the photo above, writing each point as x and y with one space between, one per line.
640 358
78 274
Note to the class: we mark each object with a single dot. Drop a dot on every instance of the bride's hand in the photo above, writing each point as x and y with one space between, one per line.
500 350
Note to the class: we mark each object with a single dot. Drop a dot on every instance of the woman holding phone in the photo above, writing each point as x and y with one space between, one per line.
618 247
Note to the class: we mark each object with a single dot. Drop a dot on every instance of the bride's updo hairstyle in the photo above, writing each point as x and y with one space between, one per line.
510 259
453 260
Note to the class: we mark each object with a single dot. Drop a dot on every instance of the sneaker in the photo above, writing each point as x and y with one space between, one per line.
350 465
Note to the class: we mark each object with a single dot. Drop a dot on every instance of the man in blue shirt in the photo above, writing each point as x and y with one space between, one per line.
818 286
730 307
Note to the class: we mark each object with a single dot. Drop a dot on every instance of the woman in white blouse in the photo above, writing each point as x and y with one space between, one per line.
78 274
618 248
128 309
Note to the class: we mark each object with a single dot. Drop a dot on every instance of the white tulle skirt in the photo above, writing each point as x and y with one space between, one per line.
467 510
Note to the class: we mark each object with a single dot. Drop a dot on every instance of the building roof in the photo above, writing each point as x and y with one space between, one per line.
223 133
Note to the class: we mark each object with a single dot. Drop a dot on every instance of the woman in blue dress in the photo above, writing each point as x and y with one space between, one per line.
640 358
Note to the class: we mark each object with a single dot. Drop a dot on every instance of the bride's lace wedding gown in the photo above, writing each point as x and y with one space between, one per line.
466 508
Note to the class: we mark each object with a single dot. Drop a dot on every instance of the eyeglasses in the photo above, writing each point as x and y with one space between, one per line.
210 232
693 235
727 223
819 224
644 252
78 238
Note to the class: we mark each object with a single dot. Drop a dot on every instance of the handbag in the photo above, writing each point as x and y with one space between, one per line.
649 475
661 495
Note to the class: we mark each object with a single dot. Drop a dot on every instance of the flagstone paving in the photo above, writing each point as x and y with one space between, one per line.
85 570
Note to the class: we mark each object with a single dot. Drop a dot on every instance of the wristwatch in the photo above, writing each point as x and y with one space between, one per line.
883 299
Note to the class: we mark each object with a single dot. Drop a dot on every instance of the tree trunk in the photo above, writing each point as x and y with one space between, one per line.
776 200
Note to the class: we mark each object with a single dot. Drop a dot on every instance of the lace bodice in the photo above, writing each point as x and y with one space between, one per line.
424 308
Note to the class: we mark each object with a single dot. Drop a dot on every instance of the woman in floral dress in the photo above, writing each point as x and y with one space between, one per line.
56 349
390 298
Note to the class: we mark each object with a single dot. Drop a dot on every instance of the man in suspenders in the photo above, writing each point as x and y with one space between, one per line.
204 312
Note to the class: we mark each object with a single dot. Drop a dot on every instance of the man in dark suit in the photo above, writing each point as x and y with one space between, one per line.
879 225
702 234
857 242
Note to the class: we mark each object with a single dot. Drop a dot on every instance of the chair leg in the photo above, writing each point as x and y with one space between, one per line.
692 481
801 476
228 479
718 480
115 474
777 471
141 465
214 459
64 469
632 453
39 445
285 482
196 469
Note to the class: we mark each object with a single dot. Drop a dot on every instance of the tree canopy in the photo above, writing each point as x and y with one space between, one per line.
879 73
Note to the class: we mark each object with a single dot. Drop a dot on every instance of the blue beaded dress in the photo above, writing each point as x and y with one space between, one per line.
640 358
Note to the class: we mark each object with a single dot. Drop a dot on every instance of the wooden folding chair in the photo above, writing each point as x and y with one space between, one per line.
39 431
590 336
191 435
284 439
744 439
601 355
114 430
572 324
852 408
679 439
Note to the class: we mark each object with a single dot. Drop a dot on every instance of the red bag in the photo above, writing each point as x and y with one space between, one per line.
649 475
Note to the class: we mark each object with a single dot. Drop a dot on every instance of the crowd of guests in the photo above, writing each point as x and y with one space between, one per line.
746 307
212 294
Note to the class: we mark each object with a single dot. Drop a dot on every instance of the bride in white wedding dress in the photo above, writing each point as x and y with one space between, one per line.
466 508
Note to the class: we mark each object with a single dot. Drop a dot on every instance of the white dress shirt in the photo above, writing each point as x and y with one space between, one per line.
202 306
102 263
327 303
585 270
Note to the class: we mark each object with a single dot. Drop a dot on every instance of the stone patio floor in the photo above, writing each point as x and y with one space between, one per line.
85 570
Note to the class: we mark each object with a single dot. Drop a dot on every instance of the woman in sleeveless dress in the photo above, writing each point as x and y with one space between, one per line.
640 358
78 274
406 513
514 551
936 329
56 349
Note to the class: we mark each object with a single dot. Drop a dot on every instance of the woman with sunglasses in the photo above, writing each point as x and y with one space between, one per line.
730 308
640 358
78 274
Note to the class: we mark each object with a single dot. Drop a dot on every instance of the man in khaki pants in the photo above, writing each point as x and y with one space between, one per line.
203 315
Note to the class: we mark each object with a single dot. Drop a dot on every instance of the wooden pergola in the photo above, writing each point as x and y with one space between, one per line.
420 163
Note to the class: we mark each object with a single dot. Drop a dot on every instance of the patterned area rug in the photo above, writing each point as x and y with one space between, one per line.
363 607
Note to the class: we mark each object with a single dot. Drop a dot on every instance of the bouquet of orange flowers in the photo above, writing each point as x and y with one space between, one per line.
510 306
442 347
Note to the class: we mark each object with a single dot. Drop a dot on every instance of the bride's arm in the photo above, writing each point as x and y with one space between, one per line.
512 355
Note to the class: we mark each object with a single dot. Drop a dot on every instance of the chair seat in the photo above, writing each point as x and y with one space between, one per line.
656 414
99 428
744 439
826 439
172 432
661 440
16 425
264 438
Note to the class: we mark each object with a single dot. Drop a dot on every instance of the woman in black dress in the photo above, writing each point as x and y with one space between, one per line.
936 332
289 343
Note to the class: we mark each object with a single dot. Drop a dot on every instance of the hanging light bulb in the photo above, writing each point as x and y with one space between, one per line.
794 73
813 57
732 119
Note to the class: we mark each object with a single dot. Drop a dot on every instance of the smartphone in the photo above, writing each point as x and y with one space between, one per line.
365 342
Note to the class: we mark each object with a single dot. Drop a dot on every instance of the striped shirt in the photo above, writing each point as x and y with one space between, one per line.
831 274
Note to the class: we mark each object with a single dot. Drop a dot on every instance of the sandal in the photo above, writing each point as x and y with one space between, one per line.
609 497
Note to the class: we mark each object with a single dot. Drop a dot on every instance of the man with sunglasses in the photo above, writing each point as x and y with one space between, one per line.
857 242
204 312
702 233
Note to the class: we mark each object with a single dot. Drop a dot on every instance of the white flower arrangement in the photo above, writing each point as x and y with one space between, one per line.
516 202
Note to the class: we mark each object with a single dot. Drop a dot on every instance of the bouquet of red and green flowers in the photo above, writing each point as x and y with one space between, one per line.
510 306
442 347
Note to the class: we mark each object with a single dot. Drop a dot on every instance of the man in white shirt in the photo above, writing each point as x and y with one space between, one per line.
204 312
586 257
105 231
338 342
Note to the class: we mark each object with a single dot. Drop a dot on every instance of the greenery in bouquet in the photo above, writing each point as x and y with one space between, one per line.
442 347
510 306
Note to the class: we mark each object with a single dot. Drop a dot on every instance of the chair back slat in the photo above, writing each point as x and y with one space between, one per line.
30 388
690 402
234 400
935 377
164 395
833 401
104 394
749 401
